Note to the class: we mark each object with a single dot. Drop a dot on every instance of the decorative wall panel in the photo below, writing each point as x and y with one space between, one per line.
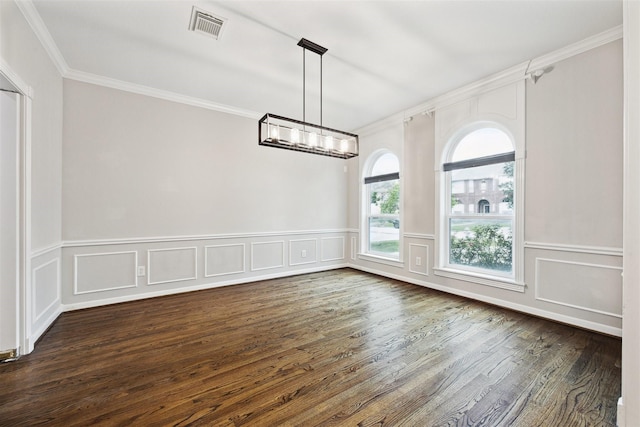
303 251
105 272
419 259
266 255
46 287
586 286
354 248
332 248
224 259
171 265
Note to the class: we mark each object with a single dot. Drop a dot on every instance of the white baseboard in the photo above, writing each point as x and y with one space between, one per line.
35 335
136 297
593 326
620 417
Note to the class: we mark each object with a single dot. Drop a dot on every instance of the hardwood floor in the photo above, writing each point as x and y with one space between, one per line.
339 348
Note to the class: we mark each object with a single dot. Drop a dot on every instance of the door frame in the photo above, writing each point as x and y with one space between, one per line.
25 296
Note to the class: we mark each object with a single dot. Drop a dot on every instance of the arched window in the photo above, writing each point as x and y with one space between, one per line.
382 201
480 218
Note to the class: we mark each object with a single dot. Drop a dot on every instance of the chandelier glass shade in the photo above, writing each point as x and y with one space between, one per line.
300 135
282 132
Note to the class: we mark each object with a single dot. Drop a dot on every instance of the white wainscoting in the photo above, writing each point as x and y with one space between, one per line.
584 278
419 259
592 287
303 251
267 255
44 293
220 260
524 308
354 248
45 280
591 250
577 285
332 248
103 272
169 265
106 271
584 282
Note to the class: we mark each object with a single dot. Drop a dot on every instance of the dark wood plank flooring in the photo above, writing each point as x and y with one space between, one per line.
338 348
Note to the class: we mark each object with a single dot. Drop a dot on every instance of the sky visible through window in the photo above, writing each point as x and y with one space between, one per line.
481 143
387 163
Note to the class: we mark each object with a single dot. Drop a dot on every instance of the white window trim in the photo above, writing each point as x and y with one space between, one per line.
516 282
482 279
364 226
381 260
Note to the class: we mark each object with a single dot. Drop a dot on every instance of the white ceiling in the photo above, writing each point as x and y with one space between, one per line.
383 56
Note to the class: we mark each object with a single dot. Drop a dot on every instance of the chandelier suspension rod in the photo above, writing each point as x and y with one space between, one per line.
304 86
305 44
320 90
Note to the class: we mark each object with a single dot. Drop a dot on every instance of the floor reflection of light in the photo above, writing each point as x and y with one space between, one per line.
384 309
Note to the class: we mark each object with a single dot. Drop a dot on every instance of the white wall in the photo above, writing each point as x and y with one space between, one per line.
188 194
574 151
21 50
9 217
136 166
574 186
419 184
573 196
629 404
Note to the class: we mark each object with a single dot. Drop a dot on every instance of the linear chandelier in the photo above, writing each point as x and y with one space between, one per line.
300 135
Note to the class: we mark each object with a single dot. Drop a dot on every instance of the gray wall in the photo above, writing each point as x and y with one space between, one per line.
188 194
629 403
136 166
419 183
21 50
574 151
572 244
25 55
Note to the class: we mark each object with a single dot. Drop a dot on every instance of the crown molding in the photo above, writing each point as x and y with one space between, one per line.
38 26
494 81
95 79
42 33
574 49
375 127
489 83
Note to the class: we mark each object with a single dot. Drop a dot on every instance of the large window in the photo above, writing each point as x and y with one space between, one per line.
479 207
382 195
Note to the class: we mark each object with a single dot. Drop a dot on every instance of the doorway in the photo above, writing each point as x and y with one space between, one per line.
9 223
14 115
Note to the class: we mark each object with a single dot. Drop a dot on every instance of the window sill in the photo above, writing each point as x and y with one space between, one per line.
481 279
381 260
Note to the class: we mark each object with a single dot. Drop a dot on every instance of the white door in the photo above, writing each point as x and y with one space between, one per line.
9 221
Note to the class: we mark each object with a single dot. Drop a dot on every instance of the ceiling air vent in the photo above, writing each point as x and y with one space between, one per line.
206 23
